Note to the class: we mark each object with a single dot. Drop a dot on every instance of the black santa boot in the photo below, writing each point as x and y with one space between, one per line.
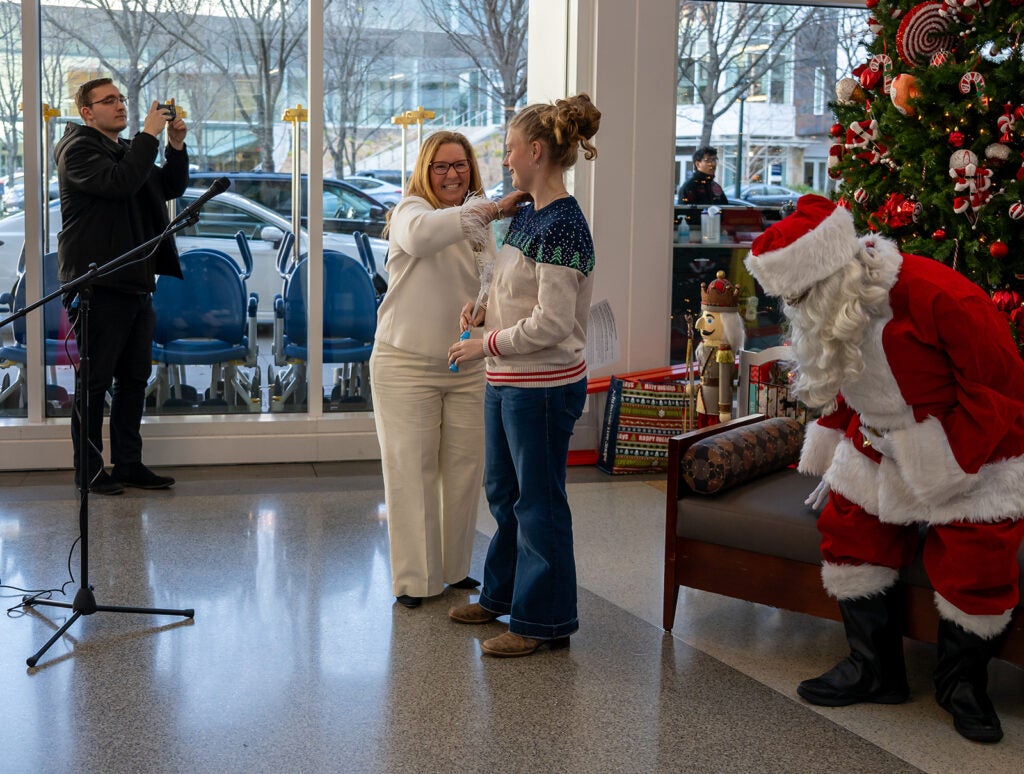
961 682
874 671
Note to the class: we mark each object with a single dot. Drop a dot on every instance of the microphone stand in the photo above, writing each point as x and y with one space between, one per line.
85 600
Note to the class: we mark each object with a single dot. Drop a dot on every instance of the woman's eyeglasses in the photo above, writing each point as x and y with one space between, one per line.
442 167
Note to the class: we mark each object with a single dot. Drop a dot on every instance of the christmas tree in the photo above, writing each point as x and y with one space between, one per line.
929 144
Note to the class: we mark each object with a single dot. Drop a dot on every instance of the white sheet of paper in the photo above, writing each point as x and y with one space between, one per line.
602 337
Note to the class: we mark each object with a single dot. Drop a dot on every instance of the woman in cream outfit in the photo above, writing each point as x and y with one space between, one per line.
430 419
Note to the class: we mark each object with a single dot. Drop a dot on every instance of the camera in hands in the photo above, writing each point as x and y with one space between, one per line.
169 110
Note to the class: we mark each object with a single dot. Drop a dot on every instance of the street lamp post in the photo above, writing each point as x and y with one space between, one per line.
739 148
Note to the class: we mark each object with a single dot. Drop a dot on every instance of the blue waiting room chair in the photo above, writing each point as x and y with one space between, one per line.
349 324
207 319
60 344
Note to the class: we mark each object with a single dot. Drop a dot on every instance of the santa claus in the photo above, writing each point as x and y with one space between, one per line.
923 397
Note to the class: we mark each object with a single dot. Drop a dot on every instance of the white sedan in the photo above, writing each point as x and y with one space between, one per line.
386 193
219 220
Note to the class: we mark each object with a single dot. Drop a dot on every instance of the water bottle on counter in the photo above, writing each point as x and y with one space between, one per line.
711 225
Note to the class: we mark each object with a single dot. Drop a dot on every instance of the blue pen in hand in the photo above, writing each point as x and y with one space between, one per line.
453 367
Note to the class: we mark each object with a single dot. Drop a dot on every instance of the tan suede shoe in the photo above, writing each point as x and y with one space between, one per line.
471 614
509 645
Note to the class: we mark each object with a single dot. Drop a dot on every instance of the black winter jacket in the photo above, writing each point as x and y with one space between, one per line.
701 189
113 199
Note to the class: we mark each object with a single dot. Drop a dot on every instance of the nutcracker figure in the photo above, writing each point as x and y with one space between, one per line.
721 337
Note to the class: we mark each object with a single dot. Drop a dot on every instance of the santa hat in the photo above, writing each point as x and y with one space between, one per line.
803 248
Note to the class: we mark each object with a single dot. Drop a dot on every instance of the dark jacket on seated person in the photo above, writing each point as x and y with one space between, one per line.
701 189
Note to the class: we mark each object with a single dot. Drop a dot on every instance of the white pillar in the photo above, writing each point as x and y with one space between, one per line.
627 192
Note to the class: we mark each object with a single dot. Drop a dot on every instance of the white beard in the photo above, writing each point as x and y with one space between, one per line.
825 356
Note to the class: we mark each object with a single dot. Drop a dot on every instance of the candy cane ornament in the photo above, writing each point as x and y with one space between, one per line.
882 63
972 81
1005 123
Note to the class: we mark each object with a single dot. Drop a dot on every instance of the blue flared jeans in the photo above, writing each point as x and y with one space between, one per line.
530 573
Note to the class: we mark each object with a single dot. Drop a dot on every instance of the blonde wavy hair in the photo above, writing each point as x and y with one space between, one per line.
564 127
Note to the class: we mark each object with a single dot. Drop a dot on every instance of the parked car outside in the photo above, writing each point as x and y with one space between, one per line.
346 208
219 220
393 176
14 195
764 195
384 192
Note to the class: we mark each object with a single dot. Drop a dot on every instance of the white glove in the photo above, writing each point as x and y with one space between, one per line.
880 443
816 500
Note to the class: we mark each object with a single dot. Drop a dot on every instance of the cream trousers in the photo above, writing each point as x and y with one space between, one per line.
430 424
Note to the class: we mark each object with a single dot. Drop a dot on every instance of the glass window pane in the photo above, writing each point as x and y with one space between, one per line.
766 116
462 68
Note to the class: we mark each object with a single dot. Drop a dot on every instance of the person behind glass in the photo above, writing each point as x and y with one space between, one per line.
701 188
536 323
430 419
113 198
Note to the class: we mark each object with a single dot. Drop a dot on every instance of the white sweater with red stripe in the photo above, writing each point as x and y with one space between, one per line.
540 299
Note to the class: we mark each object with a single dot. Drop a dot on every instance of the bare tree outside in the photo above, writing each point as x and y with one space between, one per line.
729 50
55 84
492 34
268 38
851 39
128 46
357 44
10 83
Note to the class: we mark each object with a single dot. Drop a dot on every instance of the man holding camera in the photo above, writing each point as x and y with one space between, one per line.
113 198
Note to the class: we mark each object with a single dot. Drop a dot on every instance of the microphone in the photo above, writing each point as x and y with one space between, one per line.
220 185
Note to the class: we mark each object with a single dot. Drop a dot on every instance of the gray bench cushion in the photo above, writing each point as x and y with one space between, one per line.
767 517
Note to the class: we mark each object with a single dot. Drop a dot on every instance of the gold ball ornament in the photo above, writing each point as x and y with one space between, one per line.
850 92
904 88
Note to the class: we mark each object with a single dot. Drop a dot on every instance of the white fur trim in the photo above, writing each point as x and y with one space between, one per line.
995 492
926 462
792 269
818 449
985 626
854 476
856 581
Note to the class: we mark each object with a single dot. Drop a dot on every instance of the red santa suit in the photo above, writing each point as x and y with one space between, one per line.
930 432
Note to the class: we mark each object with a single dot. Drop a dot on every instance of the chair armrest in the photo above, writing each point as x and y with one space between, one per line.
246 253
278 346
284 252
677 447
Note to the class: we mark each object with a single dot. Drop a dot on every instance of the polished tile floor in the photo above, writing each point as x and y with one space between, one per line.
298 660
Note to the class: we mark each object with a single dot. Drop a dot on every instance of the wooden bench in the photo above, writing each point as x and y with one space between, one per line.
759 542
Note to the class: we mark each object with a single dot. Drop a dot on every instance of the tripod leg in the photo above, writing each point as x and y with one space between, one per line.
85 604
33 660
189 613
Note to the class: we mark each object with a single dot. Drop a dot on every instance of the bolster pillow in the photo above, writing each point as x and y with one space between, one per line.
742 454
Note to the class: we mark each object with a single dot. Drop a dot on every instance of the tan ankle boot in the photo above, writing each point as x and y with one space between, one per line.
471 614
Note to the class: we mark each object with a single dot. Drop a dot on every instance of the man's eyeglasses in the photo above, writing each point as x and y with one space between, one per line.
113 99
442 167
